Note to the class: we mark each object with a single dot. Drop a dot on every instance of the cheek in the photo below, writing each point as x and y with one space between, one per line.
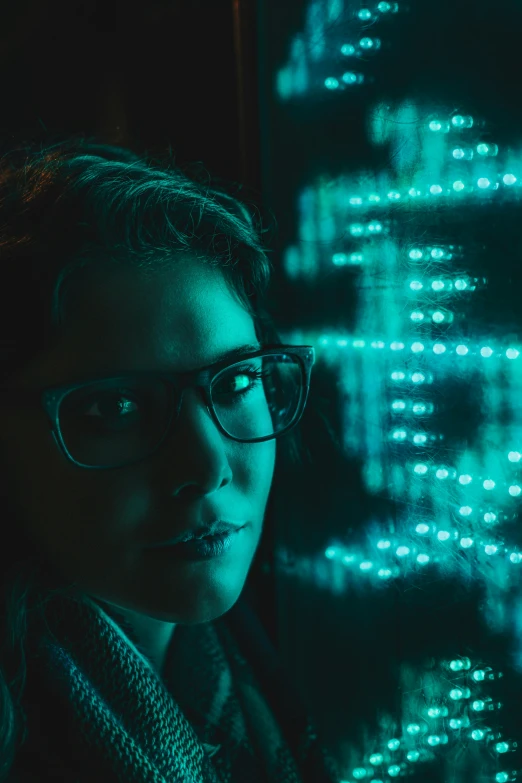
61 507
260 466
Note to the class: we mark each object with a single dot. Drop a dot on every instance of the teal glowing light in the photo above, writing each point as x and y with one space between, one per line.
331 83
460 121
349 77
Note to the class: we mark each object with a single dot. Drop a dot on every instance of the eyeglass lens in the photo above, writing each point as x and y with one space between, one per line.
119 420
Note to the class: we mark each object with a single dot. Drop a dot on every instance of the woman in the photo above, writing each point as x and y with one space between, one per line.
139 412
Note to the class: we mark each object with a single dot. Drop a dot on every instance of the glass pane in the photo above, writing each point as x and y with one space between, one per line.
115 420
258 397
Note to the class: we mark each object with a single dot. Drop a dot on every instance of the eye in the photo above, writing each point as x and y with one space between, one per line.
112 403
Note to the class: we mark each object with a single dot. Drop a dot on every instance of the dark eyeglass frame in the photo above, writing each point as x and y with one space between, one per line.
50 397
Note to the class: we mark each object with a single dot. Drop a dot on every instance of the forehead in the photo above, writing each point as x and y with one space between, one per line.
177 320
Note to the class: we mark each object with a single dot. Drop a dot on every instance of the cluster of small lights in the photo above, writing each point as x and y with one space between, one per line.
349 77
441 284
457 186
409 552
365 15
437 316
431 254
417 438
445 284
442 473
438 348
480 151
364 45
373 228
435 712
362 48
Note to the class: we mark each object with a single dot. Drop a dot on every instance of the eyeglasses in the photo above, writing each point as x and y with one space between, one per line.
108 422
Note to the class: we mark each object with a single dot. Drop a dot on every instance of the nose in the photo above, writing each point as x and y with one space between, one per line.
194 420
195 436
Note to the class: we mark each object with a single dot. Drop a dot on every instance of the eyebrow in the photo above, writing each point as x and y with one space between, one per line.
224 356
234 353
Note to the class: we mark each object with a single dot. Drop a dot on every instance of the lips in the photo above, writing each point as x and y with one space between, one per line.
216 528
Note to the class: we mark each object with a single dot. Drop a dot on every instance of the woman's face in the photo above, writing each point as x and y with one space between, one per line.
94 525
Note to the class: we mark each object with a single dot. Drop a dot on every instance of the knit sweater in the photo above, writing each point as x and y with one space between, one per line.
223 712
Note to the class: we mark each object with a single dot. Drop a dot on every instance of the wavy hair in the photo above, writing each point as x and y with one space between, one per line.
75 203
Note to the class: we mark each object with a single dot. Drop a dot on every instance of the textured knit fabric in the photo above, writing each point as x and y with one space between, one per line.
223 712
